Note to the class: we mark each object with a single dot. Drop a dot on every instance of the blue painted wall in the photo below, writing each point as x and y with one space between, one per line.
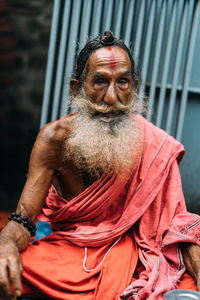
190 166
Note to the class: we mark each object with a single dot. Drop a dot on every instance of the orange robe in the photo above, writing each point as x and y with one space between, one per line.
119 223
63 277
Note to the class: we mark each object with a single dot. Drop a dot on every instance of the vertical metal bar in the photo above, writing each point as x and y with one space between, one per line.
166 66
50 61
107 15
188 71
61 60
85 23
172 99
156 59
96 18
139 30
73 35
118 23
84 28
129 21
149 33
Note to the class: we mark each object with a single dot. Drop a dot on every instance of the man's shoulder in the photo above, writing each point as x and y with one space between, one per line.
147 125
157 138
151 131
59 129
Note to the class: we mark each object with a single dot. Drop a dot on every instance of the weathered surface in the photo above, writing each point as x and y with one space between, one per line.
24 38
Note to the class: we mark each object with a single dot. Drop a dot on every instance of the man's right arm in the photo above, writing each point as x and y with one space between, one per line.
45 159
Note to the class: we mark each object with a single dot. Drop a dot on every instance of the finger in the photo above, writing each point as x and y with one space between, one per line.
15 275
20 264
198 281
5 290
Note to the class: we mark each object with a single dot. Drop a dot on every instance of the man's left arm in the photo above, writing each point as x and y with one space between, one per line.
191 255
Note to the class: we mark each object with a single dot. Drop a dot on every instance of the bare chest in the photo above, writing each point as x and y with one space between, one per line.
69 181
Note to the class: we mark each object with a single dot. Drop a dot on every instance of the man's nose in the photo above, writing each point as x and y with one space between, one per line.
110 95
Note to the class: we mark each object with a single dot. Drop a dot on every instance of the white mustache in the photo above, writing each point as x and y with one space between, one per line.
95 109
107 109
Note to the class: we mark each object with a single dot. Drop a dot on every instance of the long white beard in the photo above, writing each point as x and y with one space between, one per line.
100 144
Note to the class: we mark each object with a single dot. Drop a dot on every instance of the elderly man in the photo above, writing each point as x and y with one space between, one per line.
109 184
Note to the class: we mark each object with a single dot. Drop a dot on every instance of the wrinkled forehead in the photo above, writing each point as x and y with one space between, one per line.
111 57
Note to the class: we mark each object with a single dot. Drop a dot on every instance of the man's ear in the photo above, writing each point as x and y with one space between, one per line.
136 85
74 83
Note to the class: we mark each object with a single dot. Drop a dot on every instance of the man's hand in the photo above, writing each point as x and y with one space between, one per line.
191 255
10 269
13 239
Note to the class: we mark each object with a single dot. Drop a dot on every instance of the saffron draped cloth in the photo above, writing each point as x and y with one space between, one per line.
118 239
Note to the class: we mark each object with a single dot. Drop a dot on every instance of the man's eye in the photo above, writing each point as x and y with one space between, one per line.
123 81
100 81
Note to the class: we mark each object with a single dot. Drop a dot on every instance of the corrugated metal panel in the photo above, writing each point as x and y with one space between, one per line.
48 88
162 34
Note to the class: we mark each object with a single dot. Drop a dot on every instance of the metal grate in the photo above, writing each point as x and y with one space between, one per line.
162 34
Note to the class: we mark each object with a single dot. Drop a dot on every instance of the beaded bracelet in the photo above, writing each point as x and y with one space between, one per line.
25 221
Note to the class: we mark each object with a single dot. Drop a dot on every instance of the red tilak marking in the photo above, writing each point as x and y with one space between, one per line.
113 61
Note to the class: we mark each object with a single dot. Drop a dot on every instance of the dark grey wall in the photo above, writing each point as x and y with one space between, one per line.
24 38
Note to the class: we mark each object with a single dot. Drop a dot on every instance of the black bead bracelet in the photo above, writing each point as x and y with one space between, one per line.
25 221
